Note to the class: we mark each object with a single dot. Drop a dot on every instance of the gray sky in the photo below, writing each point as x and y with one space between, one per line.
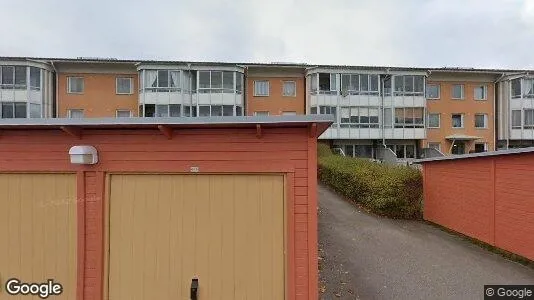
428 33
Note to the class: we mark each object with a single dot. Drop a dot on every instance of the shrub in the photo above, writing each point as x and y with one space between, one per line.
323 150
393 191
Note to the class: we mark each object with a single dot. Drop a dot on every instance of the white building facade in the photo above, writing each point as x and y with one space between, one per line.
371 108
190 91
26 89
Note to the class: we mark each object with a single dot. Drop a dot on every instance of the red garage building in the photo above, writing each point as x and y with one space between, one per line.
488 196
228 201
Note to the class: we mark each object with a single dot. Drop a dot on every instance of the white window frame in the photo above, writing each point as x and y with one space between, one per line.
268 88
123 110
485 91
69 91
295 88
439 90
261 113
462 97
439 120
520 119
69 112
485 121
462 120
117 85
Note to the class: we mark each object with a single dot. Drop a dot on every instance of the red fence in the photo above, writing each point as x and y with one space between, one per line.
489 197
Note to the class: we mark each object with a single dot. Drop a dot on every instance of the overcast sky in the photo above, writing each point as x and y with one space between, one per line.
427 33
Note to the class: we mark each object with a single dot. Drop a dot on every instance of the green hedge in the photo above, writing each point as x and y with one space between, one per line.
392 191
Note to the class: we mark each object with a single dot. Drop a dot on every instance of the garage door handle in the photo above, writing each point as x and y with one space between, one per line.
194 289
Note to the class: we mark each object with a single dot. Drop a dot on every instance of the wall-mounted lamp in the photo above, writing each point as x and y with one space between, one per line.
83 155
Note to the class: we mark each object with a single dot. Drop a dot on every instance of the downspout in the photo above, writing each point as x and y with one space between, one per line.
496 123
56 87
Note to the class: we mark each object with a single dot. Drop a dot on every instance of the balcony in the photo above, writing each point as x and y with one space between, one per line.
190 93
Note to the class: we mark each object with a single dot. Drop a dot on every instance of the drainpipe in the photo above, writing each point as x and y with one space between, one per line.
56 92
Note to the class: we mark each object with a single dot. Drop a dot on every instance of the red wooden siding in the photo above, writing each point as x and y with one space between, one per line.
487 198
283 150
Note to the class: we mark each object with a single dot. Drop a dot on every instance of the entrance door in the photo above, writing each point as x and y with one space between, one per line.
225 230
458 147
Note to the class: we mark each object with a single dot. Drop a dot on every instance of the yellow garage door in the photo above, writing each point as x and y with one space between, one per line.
226 230
38 230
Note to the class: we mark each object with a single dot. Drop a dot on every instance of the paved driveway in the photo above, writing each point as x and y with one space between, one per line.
367 257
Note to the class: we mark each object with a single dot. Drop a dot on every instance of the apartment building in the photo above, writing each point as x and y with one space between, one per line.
275 90
373 108
515 110
406 110
26 88
460 111
96 88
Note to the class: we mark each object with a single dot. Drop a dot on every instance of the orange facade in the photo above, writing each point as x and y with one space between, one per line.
99 97
487 198
275 103
289 151
464 110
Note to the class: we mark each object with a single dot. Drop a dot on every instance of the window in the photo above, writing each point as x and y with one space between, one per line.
8 110
313 110
219 82
239 83
327 83
458 91
203 110
481 121
289 89
457 121
289 113
261 113
480 147
432 91
409 117
359 117
328 110
162 111
409 85
75 85
35 78
528 88
516 88
216 110
228 82
20 77
123 113
434 120
14 110
159 81
238 111
8 75
261 88
359 84
124 86
388 118
228 110
529 118
75 113
481 92
175 110
150 110
436 146
35 110
387 86
516 119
